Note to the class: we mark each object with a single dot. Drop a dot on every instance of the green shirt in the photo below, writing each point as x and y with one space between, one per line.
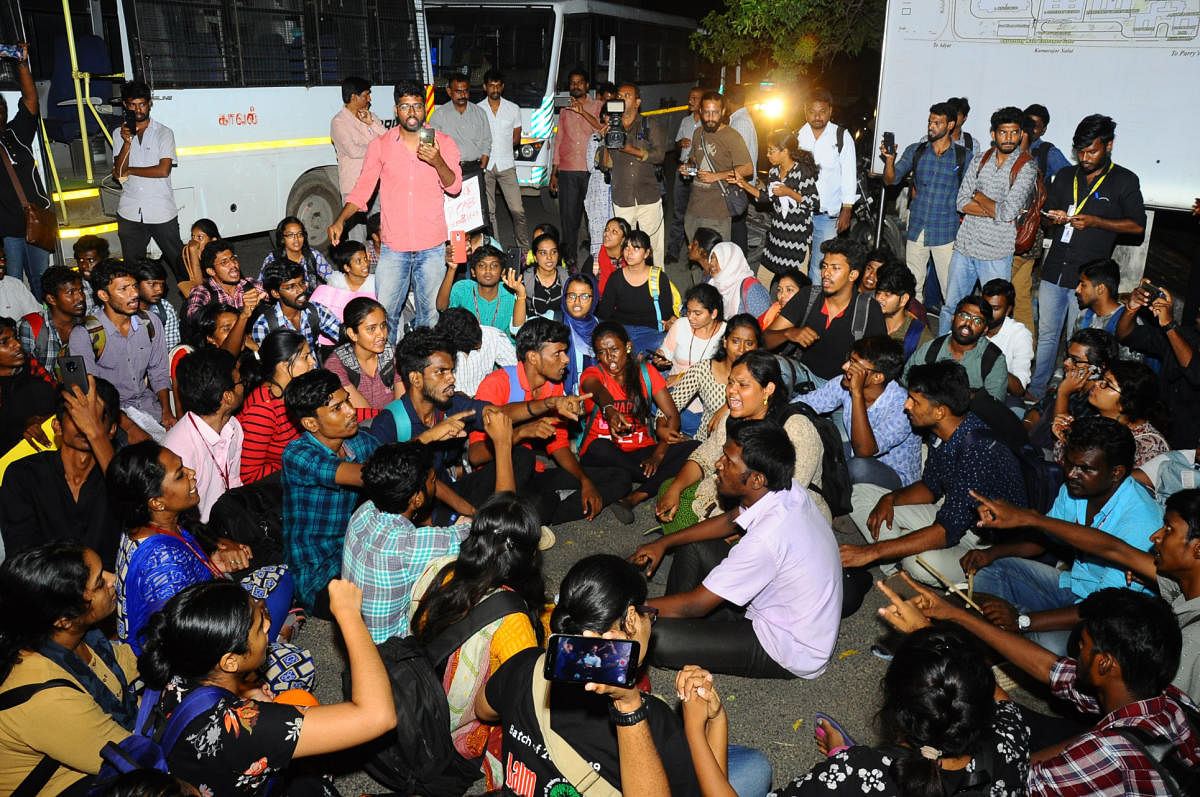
995 381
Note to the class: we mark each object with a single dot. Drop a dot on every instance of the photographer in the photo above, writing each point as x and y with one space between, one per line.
636 161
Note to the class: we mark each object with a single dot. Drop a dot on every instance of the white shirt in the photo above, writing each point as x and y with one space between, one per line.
687 129
1016 341
470 368
836 182
740 121
503 122
16 300
148 199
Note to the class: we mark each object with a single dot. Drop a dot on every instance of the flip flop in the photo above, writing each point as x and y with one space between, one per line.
846 740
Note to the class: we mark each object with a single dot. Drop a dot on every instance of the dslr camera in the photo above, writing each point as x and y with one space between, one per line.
614 135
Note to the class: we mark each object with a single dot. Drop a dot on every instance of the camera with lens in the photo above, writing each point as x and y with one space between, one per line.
614 135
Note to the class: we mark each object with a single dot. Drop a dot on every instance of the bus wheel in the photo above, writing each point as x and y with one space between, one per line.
316 201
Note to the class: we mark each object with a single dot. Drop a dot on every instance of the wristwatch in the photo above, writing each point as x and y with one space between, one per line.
1023 623
632 718
1173 325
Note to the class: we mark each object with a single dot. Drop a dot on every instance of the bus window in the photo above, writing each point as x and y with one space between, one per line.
183 43
515 41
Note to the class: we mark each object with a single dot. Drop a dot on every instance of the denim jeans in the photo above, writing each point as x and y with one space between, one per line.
870 470
1055 304
644 338
824 228
423 270
964 271
1031 587
28 259
749 771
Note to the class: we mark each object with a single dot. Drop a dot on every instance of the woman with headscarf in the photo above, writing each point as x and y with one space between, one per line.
727 270
579 314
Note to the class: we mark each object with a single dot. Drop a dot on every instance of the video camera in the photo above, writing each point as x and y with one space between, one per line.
614 135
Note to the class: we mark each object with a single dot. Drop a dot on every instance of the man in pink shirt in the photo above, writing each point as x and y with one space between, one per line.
412 179
208 438
351 130
576 124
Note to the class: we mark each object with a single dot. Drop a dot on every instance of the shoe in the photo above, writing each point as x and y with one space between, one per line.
622 512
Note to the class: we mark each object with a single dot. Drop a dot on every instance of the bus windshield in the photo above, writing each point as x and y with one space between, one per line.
517 41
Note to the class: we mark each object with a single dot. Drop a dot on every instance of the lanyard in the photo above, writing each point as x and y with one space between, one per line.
1075 186
201 555
495 315
223 473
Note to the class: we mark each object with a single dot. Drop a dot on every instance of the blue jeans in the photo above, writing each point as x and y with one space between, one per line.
824 228
644 338
1055 304
964 271
26 259
749 771
870 470
689 422
1031 587
423 270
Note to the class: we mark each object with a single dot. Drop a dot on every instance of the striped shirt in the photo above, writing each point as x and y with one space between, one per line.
984 237
267 432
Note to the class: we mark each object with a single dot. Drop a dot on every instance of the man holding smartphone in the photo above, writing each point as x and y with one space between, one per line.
414 168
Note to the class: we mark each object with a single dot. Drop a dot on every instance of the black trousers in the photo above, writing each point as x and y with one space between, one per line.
135 237
572 187
612 484
476 486
606 454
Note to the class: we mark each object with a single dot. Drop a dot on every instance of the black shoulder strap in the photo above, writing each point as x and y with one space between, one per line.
40 775
837 137
1042 153
862 311
935 346
814 293
314 321
917 153
1157 752
960 162
969 141
492 608
990 355
20 694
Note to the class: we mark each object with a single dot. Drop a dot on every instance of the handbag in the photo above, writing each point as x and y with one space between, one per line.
41 225
737 201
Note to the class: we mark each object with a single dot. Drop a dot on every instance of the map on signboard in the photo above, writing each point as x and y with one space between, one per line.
1076 22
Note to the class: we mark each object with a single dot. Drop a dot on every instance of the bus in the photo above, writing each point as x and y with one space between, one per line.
249 87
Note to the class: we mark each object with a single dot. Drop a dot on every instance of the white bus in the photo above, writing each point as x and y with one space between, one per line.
249 86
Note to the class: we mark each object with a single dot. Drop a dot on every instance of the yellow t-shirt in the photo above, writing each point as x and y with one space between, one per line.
61 722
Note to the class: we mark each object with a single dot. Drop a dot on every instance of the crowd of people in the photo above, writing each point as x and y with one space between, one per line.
383 436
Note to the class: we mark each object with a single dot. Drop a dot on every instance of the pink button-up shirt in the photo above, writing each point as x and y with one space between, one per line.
350 137
216 458
571 140
410 192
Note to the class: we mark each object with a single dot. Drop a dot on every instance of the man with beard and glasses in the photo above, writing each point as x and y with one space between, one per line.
994 190
986 366
934 517
1088 206
718 151
1013 337
291 307
126 345
1037 598
504 116
433 412
143 165
413 178
576 124
938 168
570 491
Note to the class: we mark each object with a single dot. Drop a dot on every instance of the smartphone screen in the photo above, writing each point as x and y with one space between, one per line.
581 659
425 135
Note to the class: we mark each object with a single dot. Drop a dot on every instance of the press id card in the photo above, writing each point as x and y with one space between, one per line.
1068 230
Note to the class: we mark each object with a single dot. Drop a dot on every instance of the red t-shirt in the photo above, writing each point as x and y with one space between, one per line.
496 389
268 431
639 436
607 269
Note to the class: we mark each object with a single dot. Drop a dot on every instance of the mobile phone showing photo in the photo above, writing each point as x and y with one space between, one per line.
582 659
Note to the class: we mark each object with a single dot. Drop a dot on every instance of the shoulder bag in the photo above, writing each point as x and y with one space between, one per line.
41 225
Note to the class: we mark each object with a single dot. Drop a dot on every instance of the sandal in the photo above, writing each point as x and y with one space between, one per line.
292 624
846 740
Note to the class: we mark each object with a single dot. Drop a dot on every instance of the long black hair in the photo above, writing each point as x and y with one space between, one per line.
38 588
308 259
280 346
501 551
739 321
639 404
596 592
199 625
764 367
135 475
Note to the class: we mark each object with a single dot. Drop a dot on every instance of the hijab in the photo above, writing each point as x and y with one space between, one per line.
733 272
580 352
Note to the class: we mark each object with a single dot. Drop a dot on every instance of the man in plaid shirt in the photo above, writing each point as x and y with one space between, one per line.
223 281
321 470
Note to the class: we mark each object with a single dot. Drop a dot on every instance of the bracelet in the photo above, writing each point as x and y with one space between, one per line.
604 409
624 719
528 409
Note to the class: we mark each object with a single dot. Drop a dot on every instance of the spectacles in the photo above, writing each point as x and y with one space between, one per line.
648 611
971 318
293 235
1108 384
410 106
581 297
226 261
1071 358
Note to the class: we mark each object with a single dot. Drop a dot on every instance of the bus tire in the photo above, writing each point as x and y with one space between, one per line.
316 201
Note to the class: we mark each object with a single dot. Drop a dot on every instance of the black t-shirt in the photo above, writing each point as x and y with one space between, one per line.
17 141
1118 197
22 396
633 306
826 356
581 719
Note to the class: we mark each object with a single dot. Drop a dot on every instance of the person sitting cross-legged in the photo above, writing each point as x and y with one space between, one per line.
966 343
933 518
1037 598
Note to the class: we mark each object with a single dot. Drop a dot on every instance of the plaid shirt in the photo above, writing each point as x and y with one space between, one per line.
316 509
384 556
53 342
935 191
170 321
327 324
1101 762
210 291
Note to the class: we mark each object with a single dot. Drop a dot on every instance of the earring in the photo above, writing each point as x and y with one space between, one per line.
764 401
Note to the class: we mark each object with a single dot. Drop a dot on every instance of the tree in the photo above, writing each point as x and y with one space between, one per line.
789 35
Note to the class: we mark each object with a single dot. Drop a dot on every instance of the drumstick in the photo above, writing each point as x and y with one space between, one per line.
949 586
971 585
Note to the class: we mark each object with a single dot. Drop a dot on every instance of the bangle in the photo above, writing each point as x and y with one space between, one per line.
604 409
623 719
528 409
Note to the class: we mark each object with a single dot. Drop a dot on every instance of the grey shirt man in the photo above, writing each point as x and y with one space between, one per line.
471 130
987 238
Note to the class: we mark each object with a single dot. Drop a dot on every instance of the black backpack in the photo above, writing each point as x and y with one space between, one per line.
418 757
835 475
1177 775
1042 477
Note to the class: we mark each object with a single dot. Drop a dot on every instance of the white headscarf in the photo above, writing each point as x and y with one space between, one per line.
732 272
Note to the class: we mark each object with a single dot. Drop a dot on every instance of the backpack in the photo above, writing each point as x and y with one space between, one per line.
653 285
991 355
860 309
747 285
418 757
1179 777
1042 477
41 338
1029 220
387 364
960 164
835 474
99 338
912 338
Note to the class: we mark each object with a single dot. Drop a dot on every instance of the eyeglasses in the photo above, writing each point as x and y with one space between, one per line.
293 235
648 611
579 297
1108 384
971 318
1071 358
226 261
410 106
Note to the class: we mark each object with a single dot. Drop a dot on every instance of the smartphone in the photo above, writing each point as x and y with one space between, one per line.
425 135
590 659
889 142
130 121
70 371
1152 289
656 359
458 246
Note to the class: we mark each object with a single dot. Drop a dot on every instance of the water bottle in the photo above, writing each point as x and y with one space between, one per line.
15 51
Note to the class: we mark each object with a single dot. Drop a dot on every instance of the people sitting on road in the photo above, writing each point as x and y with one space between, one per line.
291 307
26 388
706 381
1089 352
202 231
282 356
1128 393
1014 338
151 284
784 286
364 361
45 333
493 304
611 255
640 296
478 350
209 327
697 339
895 288
546 282
351 278
223 281
291 245
966 343
579 314
1169 472
728 272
